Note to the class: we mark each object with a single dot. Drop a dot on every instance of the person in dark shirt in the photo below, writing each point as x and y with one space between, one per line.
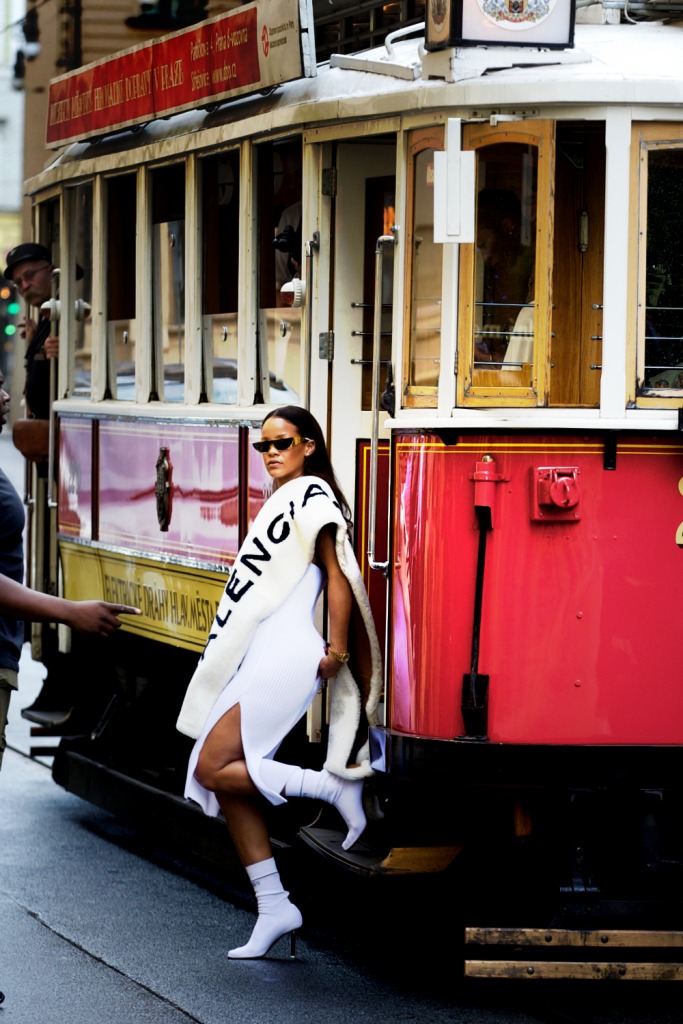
18 602
29 268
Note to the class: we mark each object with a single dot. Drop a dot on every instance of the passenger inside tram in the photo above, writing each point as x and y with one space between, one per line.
505 270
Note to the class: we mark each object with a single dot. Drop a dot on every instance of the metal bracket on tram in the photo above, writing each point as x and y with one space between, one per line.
382 241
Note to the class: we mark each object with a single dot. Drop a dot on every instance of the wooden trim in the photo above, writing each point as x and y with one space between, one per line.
541 970
599 938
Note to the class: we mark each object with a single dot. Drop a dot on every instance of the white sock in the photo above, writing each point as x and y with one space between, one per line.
268 889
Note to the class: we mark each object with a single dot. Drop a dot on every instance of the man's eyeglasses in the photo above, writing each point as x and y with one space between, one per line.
28 275
280 444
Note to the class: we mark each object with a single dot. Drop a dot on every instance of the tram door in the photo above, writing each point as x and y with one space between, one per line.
364 211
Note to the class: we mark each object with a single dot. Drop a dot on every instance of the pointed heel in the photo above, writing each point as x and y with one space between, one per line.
270 929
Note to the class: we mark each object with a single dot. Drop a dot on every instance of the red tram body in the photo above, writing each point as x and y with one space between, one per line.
572 607
516 477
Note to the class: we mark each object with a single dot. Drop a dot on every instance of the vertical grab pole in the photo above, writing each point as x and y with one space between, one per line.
54 329
312 246
374 444
52 500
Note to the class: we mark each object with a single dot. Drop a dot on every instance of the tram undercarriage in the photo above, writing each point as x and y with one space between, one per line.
527 826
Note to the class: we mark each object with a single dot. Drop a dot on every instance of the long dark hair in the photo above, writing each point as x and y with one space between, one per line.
318 462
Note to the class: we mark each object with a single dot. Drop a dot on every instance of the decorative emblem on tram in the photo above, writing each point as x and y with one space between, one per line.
516 13
439 10
163 489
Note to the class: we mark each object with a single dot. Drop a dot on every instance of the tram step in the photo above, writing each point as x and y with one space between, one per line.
365 859
505 954
47 719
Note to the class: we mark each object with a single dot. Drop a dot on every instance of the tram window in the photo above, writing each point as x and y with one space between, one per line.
168 268
505 258
49 235
423 312
280 261
80 219
49 227
121 282
663 320
380 217
504 303
221 209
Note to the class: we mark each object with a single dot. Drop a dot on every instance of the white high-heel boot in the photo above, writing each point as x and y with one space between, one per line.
276 915
345 794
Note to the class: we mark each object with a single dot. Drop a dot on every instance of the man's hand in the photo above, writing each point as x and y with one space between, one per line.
27 328
51 347
87 616
97 616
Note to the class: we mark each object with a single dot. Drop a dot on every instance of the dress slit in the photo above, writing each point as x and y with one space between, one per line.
274 686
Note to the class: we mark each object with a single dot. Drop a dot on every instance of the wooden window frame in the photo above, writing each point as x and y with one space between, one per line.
419 139
476 137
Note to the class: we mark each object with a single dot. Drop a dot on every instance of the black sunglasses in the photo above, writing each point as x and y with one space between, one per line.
280 444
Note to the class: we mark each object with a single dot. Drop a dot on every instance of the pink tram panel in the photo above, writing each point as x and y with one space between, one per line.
582 587
200 464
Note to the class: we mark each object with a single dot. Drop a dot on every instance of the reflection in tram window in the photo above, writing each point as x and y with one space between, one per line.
221 208
168 268
280 261
664 275
80 216
120 284
423 320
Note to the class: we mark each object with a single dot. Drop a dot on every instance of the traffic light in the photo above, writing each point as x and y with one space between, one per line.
9 310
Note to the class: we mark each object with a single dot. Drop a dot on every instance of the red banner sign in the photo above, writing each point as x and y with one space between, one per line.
251 48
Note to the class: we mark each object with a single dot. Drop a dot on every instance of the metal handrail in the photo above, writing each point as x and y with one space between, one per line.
52 443
374 443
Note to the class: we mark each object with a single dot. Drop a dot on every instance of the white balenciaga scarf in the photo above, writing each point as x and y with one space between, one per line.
272 560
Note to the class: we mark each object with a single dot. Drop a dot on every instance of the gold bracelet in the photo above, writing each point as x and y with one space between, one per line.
341 658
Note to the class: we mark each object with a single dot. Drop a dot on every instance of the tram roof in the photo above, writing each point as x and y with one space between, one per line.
635 64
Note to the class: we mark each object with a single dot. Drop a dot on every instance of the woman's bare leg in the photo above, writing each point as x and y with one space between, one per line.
221 768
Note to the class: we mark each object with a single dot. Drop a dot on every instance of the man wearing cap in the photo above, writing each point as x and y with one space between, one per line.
29 268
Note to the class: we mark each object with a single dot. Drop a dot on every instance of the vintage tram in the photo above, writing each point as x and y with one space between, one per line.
468 262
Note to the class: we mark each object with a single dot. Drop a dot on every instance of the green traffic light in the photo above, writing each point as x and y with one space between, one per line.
13 308
10 329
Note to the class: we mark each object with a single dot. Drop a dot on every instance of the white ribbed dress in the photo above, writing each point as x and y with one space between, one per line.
274 685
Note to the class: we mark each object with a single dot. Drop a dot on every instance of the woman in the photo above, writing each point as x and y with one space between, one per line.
264 660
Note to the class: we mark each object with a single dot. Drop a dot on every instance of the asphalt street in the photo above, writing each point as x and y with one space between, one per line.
92 930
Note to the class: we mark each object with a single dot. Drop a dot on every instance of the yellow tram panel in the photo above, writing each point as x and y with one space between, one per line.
177 602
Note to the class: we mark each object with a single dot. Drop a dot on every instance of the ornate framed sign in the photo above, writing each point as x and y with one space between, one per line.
540 23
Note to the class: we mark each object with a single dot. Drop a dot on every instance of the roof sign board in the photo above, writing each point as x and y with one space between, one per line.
251 48
540 23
